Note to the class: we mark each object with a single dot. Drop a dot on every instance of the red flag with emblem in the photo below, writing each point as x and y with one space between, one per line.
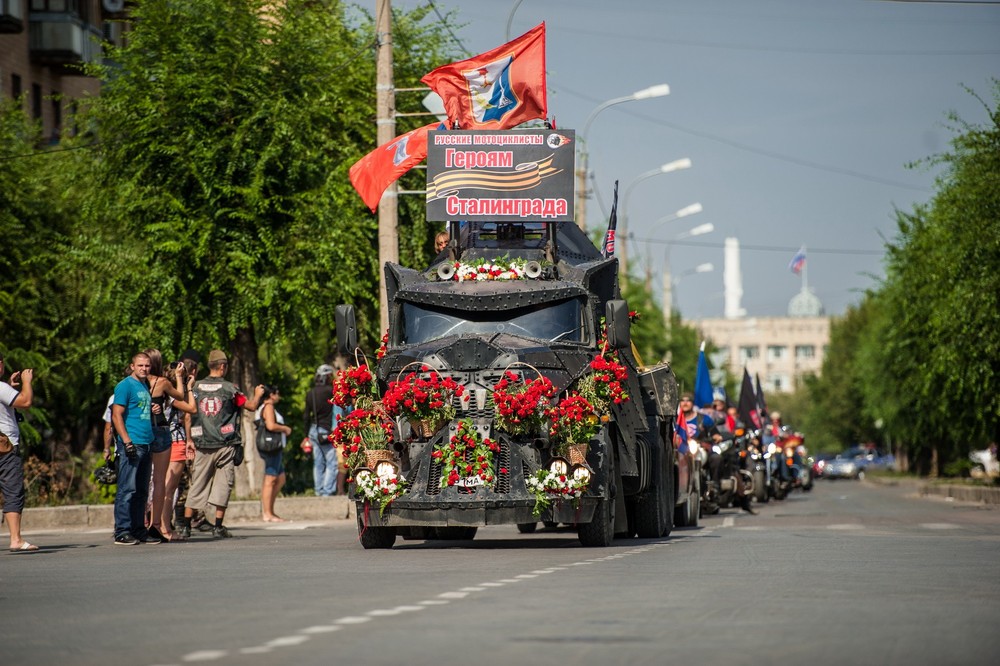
498 89
383 166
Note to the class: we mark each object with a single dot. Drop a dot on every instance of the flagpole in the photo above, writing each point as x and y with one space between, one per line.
385 108
805 270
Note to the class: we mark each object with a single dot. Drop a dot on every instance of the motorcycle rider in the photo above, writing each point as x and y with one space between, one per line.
702 428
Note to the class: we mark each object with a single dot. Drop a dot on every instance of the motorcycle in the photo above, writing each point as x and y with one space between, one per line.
758 464
733 472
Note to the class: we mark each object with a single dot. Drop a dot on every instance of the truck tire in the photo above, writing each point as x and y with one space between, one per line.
600 531
652 508
527 528
373 538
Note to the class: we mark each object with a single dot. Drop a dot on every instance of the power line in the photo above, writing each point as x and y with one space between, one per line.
763 248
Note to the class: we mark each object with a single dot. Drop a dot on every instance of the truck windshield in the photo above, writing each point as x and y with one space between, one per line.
560 321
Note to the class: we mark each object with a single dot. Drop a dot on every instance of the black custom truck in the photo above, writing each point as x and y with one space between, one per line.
549 320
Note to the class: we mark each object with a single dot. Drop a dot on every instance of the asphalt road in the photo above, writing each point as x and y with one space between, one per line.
849 574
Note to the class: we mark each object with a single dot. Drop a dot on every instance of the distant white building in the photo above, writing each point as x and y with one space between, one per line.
778 349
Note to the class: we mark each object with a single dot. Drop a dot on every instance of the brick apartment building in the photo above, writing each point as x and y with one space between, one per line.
42 45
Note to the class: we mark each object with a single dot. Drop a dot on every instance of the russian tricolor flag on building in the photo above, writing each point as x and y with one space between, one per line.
798 261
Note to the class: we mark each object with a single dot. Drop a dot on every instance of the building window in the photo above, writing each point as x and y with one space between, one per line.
56 116
56 6
776 352
805 351
779 383
36 101
748 352
15 85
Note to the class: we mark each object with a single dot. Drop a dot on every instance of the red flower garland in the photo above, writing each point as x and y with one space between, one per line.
466 454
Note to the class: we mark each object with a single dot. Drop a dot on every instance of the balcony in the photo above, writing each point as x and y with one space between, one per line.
62 39
11 16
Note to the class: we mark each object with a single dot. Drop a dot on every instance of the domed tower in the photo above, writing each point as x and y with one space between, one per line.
805 304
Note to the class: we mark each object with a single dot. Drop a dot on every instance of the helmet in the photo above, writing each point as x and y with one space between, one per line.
106 474
324 370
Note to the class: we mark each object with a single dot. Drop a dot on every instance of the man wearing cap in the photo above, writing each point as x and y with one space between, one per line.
320 418
215 438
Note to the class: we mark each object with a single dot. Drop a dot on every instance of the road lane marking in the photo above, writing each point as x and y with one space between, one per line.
453 595
320 629
433 602
352 619
939 526
729 521
205 655
846 526
285 641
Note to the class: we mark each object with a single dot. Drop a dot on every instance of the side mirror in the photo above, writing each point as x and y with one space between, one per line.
347 329
617 321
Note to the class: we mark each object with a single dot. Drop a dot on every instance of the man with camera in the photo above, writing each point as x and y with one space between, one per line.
131 418
11 469
216 442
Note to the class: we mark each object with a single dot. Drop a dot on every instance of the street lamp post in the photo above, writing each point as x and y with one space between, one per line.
668 280
668 287
581 195
676 165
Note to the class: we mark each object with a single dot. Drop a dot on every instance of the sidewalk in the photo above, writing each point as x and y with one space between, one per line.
101 516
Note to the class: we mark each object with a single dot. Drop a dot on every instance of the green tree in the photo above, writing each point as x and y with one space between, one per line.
223 214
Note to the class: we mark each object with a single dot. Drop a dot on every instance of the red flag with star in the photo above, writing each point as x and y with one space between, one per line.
379 169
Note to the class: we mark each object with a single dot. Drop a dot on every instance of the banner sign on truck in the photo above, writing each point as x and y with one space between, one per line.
501 175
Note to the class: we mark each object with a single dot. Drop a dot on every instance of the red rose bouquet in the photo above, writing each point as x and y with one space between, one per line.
466 458
520 405
605 384
573 421
361 431
418 397
352 385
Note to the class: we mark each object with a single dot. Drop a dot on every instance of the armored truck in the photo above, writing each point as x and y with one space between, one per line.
558 311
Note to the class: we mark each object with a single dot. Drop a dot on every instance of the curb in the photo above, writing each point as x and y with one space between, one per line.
959 493
102 516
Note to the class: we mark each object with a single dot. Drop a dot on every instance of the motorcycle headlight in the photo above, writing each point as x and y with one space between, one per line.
772 447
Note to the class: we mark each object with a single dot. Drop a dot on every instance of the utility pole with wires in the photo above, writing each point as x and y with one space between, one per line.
385 109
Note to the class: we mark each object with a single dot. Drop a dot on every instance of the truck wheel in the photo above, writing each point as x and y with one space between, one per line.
375 537
652 513
600 531
760 488
527 528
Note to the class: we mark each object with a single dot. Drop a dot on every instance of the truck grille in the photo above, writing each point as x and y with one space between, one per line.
501 482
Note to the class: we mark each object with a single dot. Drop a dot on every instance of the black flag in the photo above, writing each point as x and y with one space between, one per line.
748 403
761 402
609 237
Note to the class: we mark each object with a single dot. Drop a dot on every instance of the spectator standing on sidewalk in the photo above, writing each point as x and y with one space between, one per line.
267 416
18 394
215 437
131 417
320 417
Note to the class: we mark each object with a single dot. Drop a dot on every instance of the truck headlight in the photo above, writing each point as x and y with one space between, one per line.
385 469
559 466
581 473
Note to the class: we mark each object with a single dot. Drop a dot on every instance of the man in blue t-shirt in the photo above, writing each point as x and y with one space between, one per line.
132 420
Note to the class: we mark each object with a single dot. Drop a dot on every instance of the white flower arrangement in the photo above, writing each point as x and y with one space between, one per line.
549 486
380 489
482 270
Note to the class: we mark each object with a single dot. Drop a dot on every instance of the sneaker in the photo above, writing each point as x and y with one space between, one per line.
126 540
220 532
184 531
150 539
154 533
206 526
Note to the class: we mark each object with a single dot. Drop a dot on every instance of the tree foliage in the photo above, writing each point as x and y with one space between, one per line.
920 355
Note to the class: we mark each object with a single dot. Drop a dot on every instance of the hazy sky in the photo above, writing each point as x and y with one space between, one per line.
799 116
